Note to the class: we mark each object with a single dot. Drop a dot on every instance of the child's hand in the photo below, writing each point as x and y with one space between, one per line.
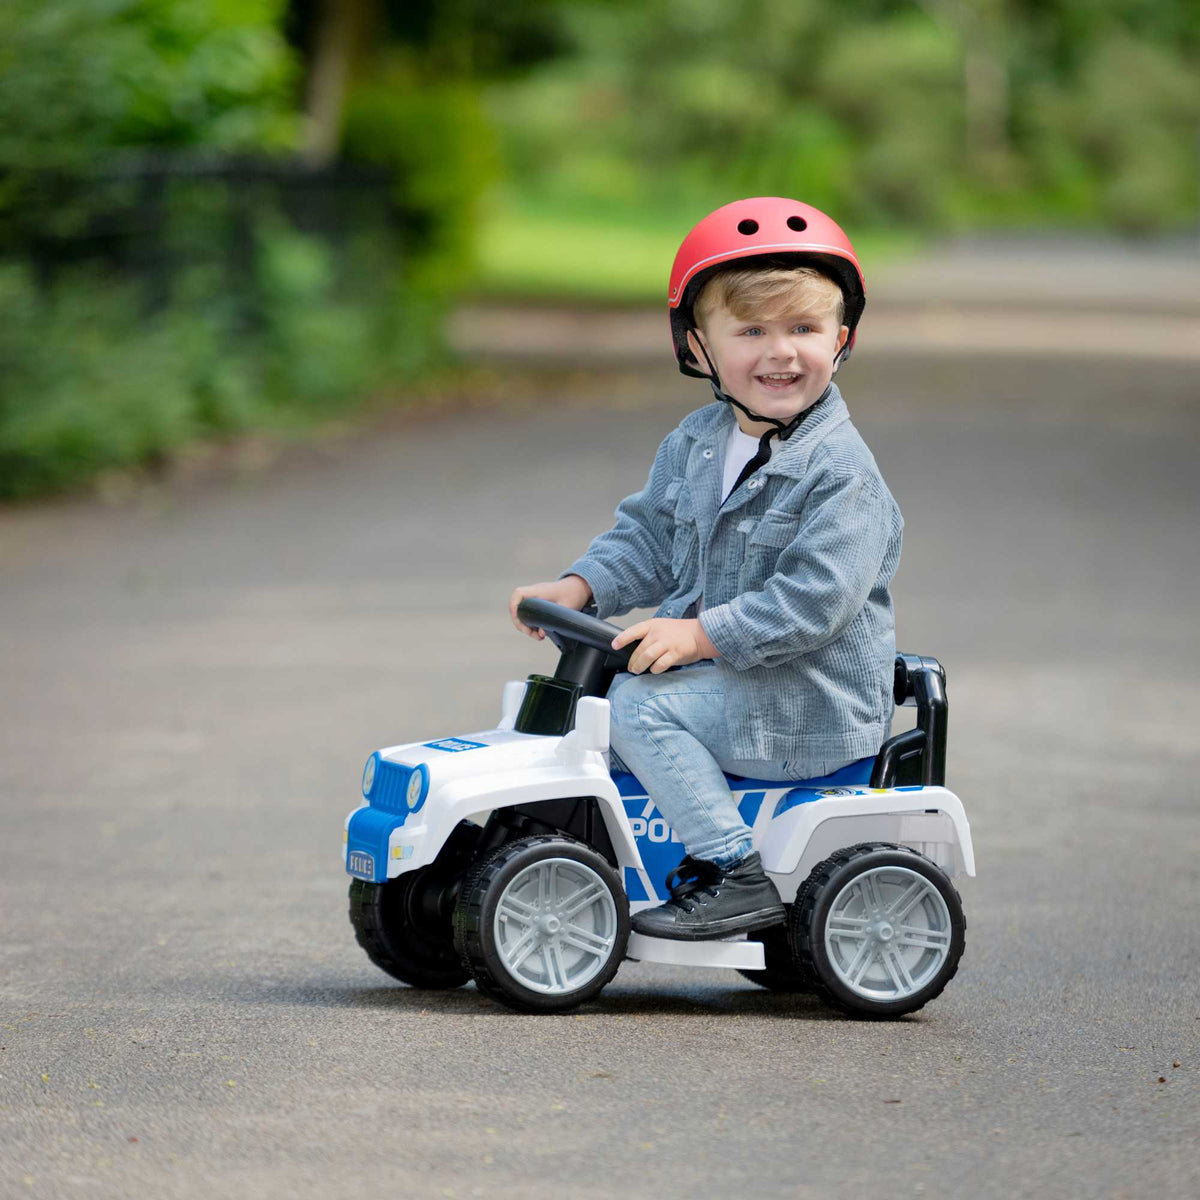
572 592
666 642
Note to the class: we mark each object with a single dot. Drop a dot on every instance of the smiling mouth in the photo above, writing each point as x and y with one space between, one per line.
777 382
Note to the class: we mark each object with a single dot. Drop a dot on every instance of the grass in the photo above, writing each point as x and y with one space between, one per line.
534 250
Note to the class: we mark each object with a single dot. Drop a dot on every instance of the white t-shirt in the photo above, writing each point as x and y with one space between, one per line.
739 450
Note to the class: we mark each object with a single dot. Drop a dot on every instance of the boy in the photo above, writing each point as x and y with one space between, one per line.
767 539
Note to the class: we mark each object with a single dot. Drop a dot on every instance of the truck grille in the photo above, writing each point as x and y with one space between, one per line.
391 786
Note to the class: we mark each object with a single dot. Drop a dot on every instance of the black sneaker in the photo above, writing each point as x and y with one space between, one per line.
710 902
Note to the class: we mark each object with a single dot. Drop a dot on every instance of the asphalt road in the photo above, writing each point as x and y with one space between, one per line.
192 678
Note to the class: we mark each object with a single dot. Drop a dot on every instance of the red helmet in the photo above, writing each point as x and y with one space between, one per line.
762 227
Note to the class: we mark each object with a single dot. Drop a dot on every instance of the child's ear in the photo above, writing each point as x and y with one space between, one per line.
695 338
843 334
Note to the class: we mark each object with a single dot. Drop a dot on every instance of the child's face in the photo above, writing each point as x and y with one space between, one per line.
777 368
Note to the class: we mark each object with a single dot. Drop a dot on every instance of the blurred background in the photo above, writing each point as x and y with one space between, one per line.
220 216
325 325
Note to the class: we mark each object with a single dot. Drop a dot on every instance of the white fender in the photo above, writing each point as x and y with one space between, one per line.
929 819
468 797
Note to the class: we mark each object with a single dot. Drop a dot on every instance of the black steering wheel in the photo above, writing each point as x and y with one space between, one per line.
569 625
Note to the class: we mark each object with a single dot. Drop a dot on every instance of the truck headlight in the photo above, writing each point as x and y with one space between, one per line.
368 780
416 788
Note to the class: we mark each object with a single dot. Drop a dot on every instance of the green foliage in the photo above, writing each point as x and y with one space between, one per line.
89 381
214 314
887 112
476 38
1135 114
326 341
80 76
83 80
86 384
317 343
436 141
903 132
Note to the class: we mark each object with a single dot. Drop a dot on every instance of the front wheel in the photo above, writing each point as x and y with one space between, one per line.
879 929
402 931
543 924
405 924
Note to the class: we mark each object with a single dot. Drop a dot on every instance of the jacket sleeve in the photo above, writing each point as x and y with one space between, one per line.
822 579
629 566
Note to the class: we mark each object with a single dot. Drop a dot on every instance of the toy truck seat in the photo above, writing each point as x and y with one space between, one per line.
914 757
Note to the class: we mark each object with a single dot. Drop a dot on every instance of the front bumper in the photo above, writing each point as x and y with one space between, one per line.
377 844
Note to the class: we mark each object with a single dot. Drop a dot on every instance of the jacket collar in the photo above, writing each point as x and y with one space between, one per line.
709 428
712 423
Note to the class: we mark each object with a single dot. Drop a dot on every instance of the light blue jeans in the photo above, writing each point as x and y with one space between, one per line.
669 730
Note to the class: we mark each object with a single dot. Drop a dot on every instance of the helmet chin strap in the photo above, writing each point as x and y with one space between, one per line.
784 429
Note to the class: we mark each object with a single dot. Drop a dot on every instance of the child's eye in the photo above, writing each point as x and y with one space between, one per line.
754 329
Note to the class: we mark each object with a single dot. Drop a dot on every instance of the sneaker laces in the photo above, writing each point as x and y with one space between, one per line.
695 879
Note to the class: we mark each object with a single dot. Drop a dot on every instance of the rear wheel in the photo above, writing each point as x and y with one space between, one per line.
880 928
543 924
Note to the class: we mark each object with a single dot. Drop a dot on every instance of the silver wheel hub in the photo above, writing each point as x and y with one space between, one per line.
888 933
555 926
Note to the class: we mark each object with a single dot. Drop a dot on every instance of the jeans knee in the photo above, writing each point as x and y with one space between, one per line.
622 714
653 717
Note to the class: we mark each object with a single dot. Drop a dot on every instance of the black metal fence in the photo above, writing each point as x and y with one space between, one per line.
155 220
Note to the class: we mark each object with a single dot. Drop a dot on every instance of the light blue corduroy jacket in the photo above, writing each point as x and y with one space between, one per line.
793 568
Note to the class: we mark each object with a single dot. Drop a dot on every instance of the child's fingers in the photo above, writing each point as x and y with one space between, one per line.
645 656
521 627
629 635
516 598
513 601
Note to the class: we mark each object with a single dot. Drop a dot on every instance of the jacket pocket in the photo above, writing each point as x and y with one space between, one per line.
670 497
765 538
775 528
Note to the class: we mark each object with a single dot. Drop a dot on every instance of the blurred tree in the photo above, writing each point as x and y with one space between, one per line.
336 39
913 111
981 29
906 128
346 40
397 83
79 77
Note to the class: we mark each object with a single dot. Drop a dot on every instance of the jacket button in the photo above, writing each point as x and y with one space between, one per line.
754 483
707 454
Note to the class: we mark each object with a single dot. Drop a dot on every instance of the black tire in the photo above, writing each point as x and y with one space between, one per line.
570 973
782 971
405 925
416 952
935 954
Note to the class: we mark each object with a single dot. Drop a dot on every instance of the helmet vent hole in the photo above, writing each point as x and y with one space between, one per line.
799 224
747 227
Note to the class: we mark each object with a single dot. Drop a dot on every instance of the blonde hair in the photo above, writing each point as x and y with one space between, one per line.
766 293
